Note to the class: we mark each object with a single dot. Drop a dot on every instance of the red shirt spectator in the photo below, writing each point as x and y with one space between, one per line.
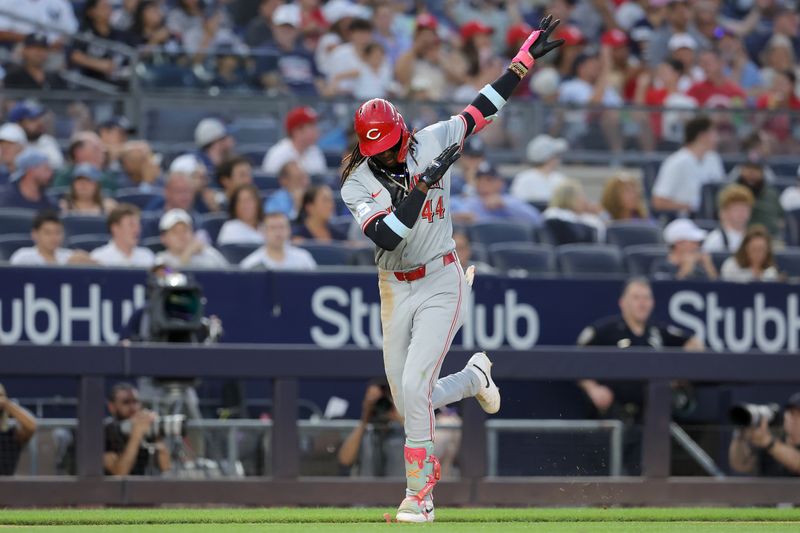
781 95
716 90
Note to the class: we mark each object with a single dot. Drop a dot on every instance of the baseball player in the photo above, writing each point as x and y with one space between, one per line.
396 183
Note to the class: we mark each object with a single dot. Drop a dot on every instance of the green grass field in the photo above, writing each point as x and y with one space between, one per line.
695 520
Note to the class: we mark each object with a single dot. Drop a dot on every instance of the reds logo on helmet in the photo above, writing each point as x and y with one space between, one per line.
379 127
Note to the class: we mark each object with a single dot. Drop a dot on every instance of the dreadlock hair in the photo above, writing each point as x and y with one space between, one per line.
355 158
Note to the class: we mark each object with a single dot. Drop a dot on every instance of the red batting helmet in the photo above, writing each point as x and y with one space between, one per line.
379 127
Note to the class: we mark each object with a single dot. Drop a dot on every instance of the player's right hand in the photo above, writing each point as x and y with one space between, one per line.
436 170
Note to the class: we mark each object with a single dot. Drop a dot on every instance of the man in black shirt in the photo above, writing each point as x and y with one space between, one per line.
31 73
757 451
128 448
13 437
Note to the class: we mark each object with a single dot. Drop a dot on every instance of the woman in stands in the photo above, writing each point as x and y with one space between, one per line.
571 217
94 60
754 260
85 196
314 220
622 200
246 214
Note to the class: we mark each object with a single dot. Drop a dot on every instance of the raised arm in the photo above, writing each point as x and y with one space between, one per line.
493 97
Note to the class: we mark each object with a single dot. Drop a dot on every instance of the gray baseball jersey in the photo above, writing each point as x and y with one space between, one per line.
432 234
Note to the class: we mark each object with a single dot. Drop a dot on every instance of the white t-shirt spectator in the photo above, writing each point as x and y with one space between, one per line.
31 256
715 242
344 58
237 232
533 185
294 259
682 176
578 91
673 120
371 83
110 255
790 199
207 258
312 160
55 14
731 271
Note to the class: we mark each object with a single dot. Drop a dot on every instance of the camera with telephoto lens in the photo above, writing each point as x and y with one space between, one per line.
162 426
753 415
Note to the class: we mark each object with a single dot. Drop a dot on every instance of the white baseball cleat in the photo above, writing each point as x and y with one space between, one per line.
415 511
489 395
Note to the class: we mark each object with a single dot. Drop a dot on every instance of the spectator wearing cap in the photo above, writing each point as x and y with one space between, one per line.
767 209
214 142
682 175
31 73
123 250
685 260
245 215
536 183
683 48
85 147
57 16
678 21
753 259
277 253
425 69
590 86
570 217
286 66
498 16
663 128
182 249
388 33
339 14
347 60
481 63
259 30
96 60
27 185
735 204
12 142
294 182
47 234
114 133
141 168
463 174
31 117
314 219
716 90
490 202
790 197
759 451
85 196
299 145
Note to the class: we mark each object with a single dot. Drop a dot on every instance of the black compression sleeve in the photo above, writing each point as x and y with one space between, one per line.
407 213
505 86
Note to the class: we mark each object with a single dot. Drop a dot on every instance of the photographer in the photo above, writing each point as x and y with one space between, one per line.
13 437
374 453
756 450
129 447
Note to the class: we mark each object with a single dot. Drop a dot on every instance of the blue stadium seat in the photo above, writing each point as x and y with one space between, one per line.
326 254
532 258
176 125
788 261
16 220
169 76
138 198
235 252
363 256
212 223
480 252
13 242
265 182
639 259
150 224
590 259
153 243
265 131
499 232
624 234
87 242
558 232
84 225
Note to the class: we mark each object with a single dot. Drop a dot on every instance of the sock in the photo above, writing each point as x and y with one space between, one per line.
418 466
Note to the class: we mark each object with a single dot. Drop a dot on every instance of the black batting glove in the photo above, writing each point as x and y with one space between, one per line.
436 170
